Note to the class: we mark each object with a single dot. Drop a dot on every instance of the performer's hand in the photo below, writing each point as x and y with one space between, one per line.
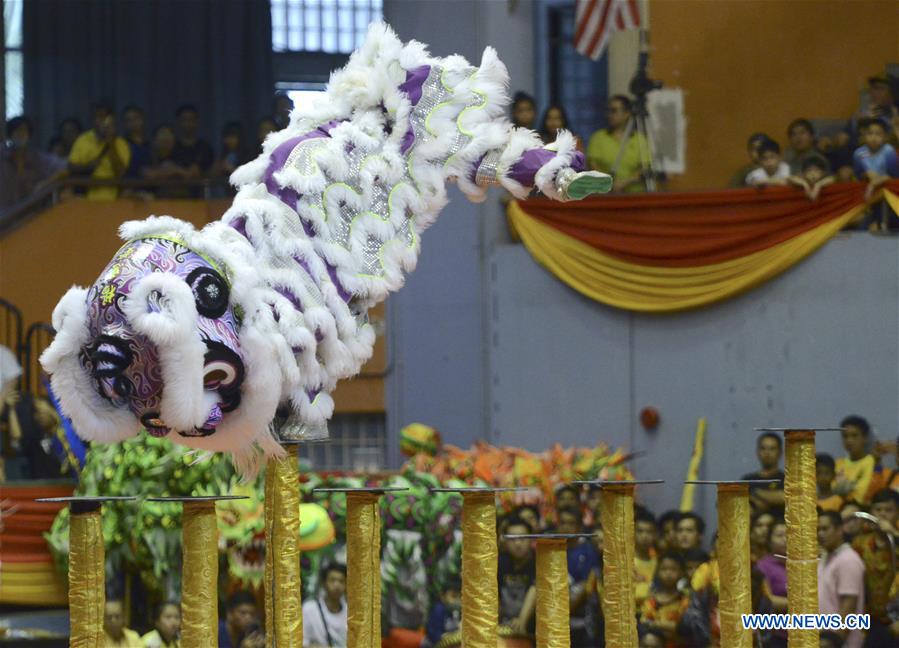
253 640
517 626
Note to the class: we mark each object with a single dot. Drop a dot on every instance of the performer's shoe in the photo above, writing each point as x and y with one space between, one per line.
575 186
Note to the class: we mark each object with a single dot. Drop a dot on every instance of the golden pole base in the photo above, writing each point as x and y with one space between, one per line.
733 560
800 492
480 592
87 578
552 594
619 602
199 589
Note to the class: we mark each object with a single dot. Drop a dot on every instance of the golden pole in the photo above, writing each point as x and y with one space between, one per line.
552 594
271 503
284 605
87 580
619 602
802 523
733 560
480 593
363 550
199 589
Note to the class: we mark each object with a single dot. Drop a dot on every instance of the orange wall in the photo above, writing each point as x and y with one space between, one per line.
754 65
72 242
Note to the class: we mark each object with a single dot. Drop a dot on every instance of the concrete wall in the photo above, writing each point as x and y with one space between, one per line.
805 349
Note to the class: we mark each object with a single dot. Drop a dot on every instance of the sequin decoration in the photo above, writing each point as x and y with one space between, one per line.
302 157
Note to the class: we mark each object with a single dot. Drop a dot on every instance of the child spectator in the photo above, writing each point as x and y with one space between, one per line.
608 152
645 560
814 177
752 148
666 604
582 561
693 558
875 161
885 477
825 471
325 617
555 119
876 551
133 122
446 615
855 470
517 574
690 528
667 538
100 154
167 627
772 169
594 506
801 134
524 110
115 634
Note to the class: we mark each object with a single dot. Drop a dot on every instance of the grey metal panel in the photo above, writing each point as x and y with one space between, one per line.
560 366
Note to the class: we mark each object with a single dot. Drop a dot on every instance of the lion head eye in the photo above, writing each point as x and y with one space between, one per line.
210 292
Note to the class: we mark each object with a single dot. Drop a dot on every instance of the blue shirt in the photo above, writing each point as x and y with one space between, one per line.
883 161
581 559
440 622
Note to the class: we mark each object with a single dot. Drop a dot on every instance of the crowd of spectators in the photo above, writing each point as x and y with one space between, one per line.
863 149
120 146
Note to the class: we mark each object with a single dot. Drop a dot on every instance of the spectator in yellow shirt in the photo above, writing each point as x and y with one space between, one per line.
116 635
608 152
100 154
645 561
854 472
825 470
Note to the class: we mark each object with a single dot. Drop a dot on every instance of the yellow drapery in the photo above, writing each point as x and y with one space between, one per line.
201 569
656 289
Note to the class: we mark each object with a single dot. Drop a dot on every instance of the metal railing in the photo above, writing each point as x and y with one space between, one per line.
51 194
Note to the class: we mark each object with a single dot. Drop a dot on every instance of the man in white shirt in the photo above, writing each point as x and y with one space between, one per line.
324 618
841 576
772 169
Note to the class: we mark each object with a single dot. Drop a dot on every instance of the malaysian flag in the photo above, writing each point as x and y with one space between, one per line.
597 19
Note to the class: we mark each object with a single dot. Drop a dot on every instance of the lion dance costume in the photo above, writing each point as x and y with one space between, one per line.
205 337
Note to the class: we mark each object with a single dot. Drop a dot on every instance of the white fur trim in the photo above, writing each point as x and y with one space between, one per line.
173 329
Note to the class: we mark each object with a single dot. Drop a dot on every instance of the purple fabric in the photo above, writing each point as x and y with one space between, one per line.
408 141
332 272
526 168
775 572
415 79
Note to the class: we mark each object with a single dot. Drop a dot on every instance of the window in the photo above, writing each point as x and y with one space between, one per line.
331 26
357 442
577 83
12 55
